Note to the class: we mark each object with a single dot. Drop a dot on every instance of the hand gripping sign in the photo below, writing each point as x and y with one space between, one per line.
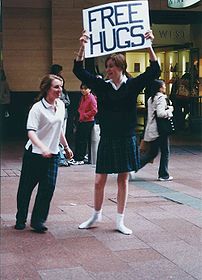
116 27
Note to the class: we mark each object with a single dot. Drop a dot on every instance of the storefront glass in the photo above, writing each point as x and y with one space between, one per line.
174 64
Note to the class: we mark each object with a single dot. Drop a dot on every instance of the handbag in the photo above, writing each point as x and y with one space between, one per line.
165 126
144 146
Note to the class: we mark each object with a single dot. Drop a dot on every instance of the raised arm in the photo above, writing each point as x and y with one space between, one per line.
152 72
91 80
83 40
152 55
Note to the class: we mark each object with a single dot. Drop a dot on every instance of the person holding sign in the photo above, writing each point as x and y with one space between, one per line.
117 151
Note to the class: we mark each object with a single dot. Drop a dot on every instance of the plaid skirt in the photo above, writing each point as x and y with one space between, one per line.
117 155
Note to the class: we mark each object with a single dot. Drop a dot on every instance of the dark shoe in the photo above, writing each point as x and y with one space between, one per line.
39 228
19 226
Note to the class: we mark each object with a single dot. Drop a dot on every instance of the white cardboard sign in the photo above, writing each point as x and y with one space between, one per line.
116 27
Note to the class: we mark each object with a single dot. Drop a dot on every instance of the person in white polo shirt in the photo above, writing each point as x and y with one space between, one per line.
40 160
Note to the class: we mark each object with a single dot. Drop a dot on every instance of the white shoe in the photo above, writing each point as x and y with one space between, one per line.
170 178
75 162
71 161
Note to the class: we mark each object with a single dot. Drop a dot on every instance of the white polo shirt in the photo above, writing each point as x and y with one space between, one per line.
47 123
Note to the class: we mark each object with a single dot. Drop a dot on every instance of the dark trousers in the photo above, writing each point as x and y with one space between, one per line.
83 134
162 144
41 171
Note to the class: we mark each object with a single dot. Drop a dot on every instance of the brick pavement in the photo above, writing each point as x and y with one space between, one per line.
165 218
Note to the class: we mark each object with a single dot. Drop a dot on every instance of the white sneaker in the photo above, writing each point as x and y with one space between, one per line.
72 162
170 178
75 162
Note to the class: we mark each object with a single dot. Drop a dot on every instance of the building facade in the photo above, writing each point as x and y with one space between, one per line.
36 34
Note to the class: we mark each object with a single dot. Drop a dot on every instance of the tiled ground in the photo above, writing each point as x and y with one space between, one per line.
165 218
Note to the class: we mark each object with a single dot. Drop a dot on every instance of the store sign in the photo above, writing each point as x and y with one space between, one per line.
181 3
115 27
171 34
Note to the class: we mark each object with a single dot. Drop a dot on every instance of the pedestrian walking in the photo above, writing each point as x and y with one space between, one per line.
157 106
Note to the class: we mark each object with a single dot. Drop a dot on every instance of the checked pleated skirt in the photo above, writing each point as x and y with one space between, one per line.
117 155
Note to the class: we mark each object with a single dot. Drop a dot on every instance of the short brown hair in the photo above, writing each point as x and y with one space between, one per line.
119 60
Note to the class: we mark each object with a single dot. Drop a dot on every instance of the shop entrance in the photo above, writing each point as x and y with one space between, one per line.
174 64
178 65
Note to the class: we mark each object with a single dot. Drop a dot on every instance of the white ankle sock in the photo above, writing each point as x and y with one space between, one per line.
120 225
96 217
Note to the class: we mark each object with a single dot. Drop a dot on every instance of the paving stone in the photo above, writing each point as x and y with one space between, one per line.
173 224
25 271
153 212
77 273
139 255
93 256
61 230
161 236
109 234
125 244
8 259
185 256
159 269
166 239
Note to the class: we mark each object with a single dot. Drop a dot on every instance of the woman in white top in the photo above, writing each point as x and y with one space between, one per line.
40 160
158 102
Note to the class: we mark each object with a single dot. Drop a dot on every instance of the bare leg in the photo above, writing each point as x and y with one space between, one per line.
122 196
122 181
100 181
